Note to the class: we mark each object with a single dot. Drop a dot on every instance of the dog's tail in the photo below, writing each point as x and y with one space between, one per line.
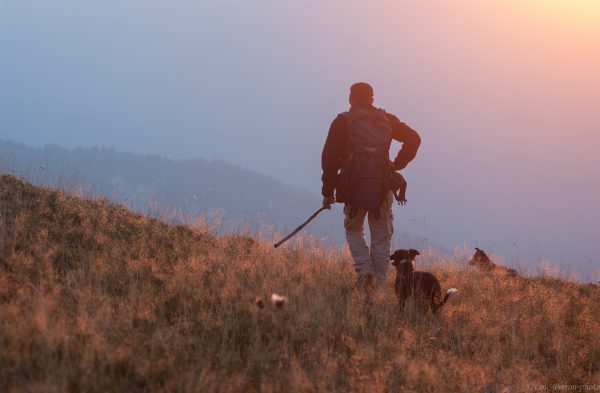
449 292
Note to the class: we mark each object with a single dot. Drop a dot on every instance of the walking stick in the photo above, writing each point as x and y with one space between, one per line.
288 237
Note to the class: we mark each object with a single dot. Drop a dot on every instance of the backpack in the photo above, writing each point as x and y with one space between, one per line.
364 178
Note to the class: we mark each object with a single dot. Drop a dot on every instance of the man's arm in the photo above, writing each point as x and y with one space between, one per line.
332 154
410 142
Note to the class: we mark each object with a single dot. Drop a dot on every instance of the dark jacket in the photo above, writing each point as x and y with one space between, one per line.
335 146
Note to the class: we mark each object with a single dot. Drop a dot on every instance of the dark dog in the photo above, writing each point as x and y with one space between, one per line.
483 262
408 281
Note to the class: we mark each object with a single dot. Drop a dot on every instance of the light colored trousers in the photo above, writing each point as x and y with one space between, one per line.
376 260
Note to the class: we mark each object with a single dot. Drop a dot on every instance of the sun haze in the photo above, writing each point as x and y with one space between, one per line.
504 95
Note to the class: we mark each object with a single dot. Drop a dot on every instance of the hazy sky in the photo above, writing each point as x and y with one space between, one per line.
505 95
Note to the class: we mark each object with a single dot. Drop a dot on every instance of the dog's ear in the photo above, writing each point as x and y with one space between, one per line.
412 253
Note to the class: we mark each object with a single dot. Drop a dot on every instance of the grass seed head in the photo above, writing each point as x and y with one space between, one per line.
260 303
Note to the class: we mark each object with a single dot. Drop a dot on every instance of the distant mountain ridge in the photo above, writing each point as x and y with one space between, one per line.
229 197
152 184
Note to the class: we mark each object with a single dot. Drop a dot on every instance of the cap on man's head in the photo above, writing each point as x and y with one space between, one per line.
361 90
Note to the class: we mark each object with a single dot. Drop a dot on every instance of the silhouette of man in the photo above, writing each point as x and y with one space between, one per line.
371 264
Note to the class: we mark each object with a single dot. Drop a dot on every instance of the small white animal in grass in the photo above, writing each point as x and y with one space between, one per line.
278 300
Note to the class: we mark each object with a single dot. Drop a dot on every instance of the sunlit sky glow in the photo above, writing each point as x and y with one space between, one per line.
504 93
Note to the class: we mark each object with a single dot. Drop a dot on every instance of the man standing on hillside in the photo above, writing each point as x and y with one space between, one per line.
356 165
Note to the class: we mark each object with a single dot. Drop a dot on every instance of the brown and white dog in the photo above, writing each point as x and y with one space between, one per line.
409 281
483 262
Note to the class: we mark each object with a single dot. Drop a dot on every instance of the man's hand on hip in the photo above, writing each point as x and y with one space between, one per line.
328 201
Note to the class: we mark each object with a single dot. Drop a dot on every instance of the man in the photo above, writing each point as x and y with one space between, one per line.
356 164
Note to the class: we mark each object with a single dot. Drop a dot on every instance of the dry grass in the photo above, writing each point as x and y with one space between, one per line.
94 298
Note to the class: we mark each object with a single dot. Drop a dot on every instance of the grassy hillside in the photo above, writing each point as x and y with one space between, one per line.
95 298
